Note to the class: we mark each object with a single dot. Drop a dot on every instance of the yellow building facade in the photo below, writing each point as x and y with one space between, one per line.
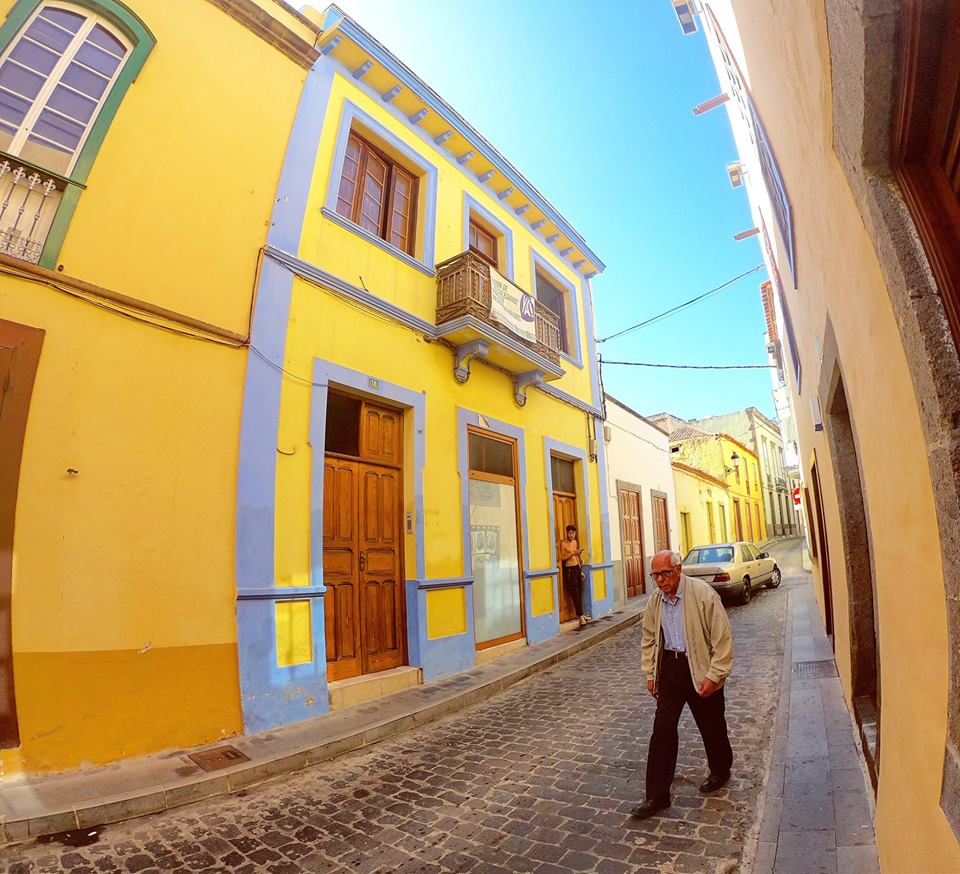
125 297
839 112
703 507
420 413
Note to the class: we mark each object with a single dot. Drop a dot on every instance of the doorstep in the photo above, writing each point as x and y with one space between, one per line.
34 805
370 687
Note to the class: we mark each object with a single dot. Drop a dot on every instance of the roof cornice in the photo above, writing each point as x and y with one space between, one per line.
337 22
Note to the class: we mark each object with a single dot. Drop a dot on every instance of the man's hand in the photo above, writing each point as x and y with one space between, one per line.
707 688
650 688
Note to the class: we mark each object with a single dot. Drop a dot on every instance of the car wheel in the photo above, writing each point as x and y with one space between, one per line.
747 593
775 578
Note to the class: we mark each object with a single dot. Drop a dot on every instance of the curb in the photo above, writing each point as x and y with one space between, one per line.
157 797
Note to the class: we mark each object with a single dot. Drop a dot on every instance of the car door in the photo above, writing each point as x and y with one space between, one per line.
750 562
762 569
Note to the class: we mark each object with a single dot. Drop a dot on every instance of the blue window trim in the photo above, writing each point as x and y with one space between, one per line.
573 323
426 214
472 205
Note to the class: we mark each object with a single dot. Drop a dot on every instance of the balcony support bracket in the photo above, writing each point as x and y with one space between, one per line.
465 354
523 382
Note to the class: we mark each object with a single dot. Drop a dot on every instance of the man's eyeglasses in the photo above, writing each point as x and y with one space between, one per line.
655 575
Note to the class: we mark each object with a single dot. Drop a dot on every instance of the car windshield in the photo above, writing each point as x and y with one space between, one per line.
709 555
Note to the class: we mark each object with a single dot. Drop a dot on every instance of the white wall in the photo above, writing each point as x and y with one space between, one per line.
637 453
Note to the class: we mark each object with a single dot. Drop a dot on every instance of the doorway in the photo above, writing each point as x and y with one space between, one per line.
19 357
737 519
823 551
631 540
563 475
495 539
362 537
861 584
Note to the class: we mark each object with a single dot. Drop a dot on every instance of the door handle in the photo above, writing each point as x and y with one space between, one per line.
363 560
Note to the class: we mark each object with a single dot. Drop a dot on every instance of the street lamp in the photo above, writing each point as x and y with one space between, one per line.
735 459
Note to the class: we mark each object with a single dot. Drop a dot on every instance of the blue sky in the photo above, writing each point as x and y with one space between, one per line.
593 104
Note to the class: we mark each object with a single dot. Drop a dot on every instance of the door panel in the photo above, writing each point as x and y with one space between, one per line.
632 541
564 514
340 568
380 434
661 527
382 608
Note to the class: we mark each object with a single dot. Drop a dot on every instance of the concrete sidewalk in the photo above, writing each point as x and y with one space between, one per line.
86 798
818 812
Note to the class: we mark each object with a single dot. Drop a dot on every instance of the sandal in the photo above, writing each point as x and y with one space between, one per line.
583 621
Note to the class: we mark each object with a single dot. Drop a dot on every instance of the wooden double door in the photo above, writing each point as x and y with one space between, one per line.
564 514
362 553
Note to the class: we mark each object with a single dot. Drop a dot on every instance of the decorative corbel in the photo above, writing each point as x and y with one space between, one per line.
465 354
523 382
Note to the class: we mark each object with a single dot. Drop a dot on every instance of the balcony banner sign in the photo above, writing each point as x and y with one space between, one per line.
512 308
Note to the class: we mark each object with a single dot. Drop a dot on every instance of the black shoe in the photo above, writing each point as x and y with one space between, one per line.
649 808
714 782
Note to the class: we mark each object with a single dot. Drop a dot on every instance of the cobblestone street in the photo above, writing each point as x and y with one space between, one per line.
540 778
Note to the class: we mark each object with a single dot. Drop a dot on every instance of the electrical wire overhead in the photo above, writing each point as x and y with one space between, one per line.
681 306
691 366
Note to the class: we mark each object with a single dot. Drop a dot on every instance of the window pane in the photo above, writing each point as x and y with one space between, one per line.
374 186
101 37
34 56
554 299
6 135
62 18
12 109
71 103
50 35
101 61
47 155
61 130
491 456
90 83
564 479
15 78
348 178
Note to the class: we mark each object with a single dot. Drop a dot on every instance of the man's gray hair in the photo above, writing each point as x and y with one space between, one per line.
675 558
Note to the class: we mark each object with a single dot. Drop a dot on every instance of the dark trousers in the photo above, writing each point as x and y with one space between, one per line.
676 689
573 580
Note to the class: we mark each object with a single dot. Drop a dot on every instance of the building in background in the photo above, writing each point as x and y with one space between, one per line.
639 492
703 506
845 119
728 460
762 435
134 206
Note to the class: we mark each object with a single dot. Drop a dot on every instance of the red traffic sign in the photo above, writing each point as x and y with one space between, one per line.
796 497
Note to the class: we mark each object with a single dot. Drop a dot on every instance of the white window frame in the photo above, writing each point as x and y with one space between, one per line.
56 74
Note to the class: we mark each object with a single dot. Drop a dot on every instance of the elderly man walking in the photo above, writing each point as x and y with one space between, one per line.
687 654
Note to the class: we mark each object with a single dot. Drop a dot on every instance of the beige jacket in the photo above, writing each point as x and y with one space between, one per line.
705 627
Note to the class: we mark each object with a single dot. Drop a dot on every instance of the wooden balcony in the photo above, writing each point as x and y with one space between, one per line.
464 308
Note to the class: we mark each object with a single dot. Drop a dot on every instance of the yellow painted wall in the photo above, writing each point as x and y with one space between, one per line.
123 607
446 612
796 104
693 494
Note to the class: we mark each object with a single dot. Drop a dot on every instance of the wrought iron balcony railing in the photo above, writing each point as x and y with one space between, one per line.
463 288
29 203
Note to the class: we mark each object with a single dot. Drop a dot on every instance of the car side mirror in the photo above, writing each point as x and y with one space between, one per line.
764 555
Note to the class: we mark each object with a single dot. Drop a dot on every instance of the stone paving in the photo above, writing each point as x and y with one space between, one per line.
540 778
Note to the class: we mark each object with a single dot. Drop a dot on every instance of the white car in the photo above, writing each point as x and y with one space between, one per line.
732 568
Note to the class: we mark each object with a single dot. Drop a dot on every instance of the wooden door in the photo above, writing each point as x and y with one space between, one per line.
564 514
380 433
631 538
824 550
19 357
661 527
737 519
749 524
381 607
341 568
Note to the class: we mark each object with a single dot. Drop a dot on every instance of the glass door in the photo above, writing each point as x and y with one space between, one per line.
494 541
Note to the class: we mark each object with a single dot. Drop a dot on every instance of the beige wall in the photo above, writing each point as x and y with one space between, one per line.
788 66
693 495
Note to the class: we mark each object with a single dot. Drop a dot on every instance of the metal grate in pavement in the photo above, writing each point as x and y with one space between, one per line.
219 757
814 670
